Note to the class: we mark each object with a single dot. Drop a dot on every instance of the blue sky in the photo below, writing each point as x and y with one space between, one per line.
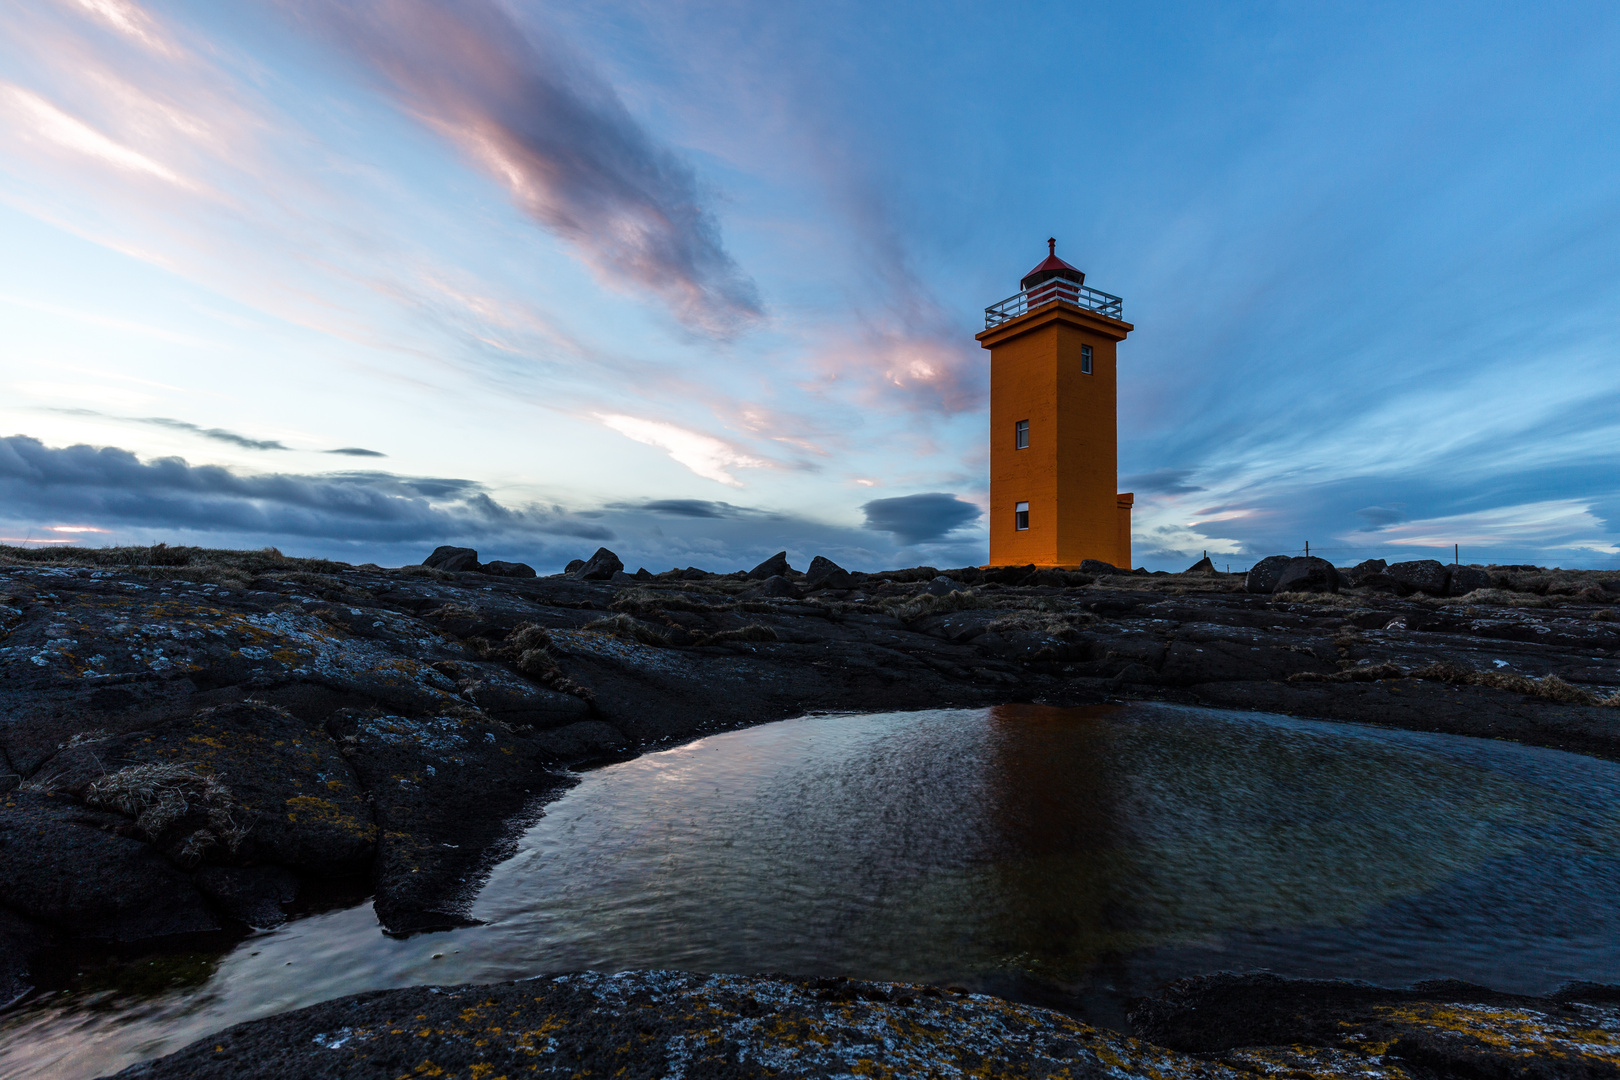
699 282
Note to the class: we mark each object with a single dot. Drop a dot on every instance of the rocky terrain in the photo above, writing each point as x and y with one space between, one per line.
196 742
663 1023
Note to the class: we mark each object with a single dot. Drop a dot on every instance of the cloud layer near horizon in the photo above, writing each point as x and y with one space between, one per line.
110 495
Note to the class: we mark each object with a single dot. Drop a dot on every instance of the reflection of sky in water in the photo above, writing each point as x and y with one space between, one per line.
1036 851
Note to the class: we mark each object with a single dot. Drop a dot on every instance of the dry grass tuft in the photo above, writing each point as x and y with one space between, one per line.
628 628
1038 622
751 632
909 608
1363 673
159 795
1491 597
541 666
526 636
1551 687
1320 599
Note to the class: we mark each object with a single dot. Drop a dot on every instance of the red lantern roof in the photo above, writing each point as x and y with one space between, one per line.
1051 267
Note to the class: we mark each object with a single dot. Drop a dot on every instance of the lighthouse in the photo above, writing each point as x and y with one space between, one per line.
1054 429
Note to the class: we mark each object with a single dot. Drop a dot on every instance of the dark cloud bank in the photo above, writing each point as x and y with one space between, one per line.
390 519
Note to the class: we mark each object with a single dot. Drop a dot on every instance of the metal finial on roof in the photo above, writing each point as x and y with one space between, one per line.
1051 245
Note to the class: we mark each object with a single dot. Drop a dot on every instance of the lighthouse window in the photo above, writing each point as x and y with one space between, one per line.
1021 517
1085 359
1021 435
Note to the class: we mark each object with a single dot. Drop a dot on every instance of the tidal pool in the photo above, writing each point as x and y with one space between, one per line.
1066 857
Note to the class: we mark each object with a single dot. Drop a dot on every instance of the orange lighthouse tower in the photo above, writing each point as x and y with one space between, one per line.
1054 428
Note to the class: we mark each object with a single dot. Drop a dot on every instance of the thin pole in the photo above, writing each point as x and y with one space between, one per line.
1307 549
1455 548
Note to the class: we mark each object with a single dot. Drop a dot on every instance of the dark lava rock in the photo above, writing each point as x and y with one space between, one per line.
1097 566
1307 573
776 585
943 586
826 574
1378 583
1436 1029
692 573
508 569
573 564
1421 575
1202 566
621 578
1465 579
65 865
290 786
452 559
587 740
20 941
641 1025
449 794
599 567
1610 585
775 566
249 894
1263 575
1364 569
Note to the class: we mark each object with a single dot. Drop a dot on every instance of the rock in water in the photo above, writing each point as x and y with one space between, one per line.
599 567
775 566
826 574
1465 579
452 559
1421 575
1308 574
508 569
1262 576
1202 566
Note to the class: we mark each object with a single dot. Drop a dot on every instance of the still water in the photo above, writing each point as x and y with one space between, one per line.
1067 857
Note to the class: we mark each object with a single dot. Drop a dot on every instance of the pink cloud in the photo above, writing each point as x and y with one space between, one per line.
560 141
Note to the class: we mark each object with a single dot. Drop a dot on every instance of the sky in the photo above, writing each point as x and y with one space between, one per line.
699 282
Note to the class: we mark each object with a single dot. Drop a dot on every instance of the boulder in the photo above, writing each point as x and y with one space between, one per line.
775 566
692 573
1097 566
943 586
1364 569
644 574
452 560
1421 575
1378 583
1262 576
826 574
621 578
508 569
1465 579
599 567
1307 573
776 585
1202 566
573 564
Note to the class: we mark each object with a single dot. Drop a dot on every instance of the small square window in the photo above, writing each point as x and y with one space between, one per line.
1085 359
1021 435
1021 517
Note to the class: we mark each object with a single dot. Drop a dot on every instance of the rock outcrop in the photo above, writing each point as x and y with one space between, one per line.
1262 576
184 745
1307 573
599 567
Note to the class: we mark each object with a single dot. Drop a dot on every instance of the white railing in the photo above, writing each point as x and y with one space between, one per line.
1049 291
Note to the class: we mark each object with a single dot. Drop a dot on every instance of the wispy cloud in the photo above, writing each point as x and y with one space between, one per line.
705 455
33 117
559 140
